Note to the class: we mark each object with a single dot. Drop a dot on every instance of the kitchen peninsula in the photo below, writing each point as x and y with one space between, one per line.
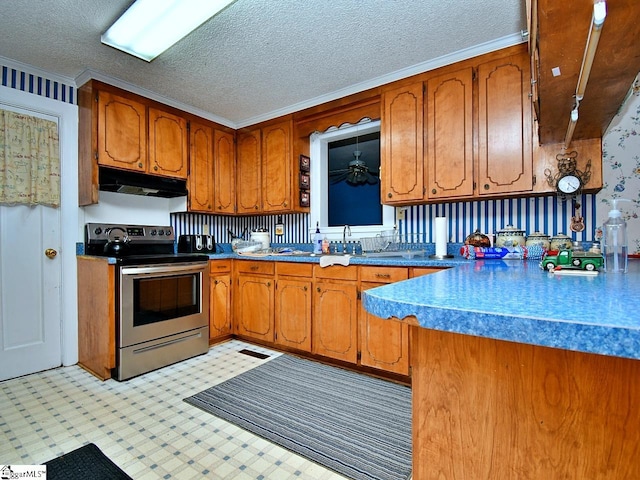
520 373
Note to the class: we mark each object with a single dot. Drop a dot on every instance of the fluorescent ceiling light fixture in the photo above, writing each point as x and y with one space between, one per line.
149 27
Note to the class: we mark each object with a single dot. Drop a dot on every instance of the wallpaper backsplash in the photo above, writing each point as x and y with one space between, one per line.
621 171
544 214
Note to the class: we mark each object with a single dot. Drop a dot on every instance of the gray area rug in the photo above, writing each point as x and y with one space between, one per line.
356 425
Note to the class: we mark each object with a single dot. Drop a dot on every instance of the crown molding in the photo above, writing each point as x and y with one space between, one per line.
89 74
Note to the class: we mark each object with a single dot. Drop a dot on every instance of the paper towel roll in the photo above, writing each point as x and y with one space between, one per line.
441 236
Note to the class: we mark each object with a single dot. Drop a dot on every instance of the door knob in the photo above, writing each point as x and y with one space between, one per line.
50 253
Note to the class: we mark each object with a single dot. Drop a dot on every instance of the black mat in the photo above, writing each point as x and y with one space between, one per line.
85 463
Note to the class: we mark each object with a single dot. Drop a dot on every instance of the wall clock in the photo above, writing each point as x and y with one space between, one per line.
569 184
568 181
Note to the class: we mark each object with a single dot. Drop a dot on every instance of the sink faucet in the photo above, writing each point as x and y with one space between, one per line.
345 231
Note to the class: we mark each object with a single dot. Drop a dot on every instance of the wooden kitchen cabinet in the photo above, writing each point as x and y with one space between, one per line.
122 132
219 299
293 305
224 160
335 312
96 316
401 146
505 159
144 139
254 300
168 144
201 177
248 173
276 167
449 135
264 169
458 134
211 169
384 344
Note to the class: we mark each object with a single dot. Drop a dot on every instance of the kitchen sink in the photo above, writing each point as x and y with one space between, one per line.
398 253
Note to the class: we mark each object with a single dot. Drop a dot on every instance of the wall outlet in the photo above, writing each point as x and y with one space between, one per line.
400 213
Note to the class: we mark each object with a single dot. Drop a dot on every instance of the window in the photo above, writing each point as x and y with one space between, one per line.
334 201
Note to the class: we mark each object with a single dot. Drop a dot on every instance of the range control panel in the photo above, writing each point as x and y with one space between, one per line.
103 232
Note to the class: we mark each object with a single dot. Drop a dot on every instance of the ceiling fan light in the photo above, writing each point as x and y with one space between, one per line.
149 27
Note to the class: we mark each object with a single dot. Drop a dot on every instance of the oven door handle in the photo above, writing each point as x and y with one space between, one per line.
164 269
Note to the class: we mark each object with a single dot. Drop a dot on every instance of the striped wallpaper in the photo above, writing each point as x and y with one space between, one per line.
543 214
28 82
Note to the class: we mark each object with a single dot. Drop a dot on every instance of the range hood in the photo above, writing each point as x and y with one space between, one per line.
134 183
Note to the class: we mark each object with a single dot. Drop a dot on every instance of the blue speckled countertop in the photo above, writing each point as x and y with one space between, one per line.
417 261
517 301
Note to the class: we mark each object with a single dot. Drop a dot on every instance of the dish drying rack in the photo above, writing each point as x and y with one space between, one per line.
390 244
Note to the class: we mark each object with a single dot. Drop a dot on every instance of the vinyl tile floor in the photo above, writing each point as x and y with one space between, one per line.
143 425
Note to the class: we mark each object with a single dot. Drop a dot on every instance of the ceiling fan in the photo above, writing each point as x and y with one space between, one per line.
357 172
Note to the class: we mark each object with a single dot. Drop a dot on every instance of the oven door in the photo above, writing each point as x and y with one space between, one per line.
158 301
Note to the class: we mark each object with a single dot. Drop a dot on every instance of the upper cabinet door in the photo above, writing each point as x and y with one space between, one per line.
248 172
167 144
449 103
401 139
201 168
276 167
224 157
122 135
505 161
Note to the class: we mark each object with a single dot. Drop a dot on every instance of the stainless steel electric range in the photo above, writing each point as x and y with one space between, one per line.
162 297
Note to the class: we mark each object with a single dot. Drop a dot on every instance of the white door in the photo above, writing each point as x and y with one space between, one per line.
38 317
30 287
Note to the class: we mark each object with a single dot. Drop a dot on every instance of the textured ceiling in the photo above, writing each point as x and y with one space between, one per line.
261 58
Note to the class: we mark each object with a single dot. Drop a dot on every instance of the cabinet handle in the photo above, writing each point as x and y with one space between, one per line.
215 282
284 204
256 207
486 186
253 268
319 290
383 275
139 165
434 191
389 194
155 168
268 284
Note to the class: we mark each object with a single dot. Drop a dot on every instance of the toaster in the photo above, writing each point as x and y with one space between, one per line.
196 244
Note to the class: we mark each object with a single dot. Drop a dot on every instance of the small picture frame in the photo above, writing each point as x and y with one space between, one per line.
305 181
305 163
305 198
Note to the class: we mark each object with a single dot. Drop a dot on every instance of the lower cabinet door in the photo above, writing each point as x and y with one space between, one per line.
293 313
384 344
335 327
219 306
254 307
